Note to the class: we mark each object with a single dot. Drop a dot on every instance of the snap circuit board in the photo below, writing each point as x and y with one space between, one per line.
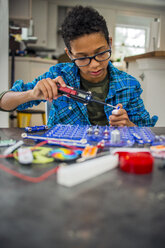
78 135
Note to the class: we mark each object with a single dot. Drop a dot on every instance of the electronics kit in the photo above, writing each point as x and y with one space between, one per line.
83 152
81 136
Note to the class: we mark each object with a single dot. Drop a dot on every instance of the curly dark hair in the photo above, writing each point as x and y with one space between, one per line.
80 21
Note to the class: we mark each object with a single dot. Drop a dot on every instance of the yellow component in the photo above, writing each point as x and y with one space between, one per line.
44 118
17 37
24 117
40 155
158 148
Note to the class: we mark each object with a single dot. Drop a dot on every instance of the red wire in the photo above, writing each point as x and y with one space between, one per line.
27 178
24 177
41 178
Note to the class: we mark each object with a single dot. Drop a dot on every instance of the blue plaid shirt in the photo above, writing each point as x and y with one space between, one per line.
123 89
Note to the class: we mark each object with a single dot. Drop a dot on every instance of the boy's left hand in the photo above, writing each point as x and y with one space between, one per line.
120 118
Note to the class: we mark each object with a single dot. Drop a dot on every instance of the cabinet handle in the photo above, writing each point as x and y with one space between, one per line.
142 76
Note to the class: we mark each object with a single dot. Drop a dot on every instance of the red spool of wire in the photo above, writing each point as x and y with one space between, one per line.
136 162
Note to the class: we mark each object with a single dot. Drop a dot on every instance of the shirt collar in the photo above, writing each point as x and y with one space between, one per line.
72 70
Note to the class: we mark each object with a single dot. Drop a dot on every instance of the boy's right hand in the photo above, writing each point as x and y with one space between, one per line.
46 89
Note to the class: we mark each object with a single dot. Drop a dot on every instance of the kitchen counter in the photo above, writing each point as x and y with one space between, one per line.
36 59
154 54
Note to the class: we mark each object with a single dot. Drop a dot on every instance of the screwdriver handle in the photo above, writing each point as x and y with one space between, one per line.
80 95
74 93
66 90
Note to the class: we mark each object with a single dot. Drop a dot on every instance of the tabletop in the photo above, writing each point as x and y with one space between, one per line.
115 209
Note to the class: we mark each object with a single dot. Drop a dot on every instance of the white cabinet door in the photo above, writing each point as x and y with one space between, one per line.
52 26
40 16
19 9
133 70
154 74
150 72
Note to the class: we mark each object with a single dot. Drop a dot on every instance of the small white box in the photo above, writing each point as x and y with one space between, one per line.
79 172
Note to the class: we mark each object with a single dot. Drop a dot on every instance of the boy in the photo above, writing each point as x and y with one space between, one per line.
88 46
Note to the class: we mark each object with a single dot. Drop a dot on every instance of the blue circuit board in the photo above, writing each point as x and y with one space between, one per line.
111 136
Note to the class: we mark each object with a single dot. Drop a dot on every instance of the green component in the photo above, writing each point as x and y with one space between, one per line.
40 155
7 142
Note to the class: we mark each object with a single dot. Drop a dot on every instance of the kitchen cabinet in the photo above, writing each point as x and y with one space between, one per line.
40 16
149 70
44 16
19 9
52 26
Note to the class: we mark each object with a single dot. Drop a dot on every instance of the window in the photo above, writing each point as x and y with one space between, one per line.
129 40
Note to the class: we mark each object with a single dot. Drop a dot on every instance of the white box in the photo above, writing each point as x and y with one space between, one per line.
76 173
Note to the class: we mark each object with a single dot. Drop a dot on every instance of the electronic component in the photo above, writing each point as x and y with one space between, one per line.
89 151
36 128
115 136
64 154
12 148
40 155
136 162
158 151
7 142
115 111
25 155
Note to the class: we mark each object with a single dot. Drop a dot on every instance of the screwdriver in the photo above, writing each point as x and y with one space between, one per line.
104 103
80 95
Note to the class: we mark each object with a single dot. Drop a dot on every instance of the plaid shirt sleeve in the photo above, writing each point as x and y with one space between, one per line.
20 86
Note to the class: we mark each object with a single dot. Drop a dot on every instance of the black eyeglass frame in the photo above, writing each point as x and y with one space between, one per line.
92 57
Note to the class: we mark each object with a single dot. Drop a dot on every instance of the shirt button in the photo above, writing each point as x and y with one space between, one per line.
70 107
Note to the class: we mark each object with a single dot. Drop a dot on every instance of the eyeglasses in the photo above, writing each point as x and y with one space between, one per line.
84 61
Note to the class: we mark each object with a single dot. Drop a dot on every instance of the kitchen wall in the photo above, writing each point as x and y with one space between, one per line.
3 55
